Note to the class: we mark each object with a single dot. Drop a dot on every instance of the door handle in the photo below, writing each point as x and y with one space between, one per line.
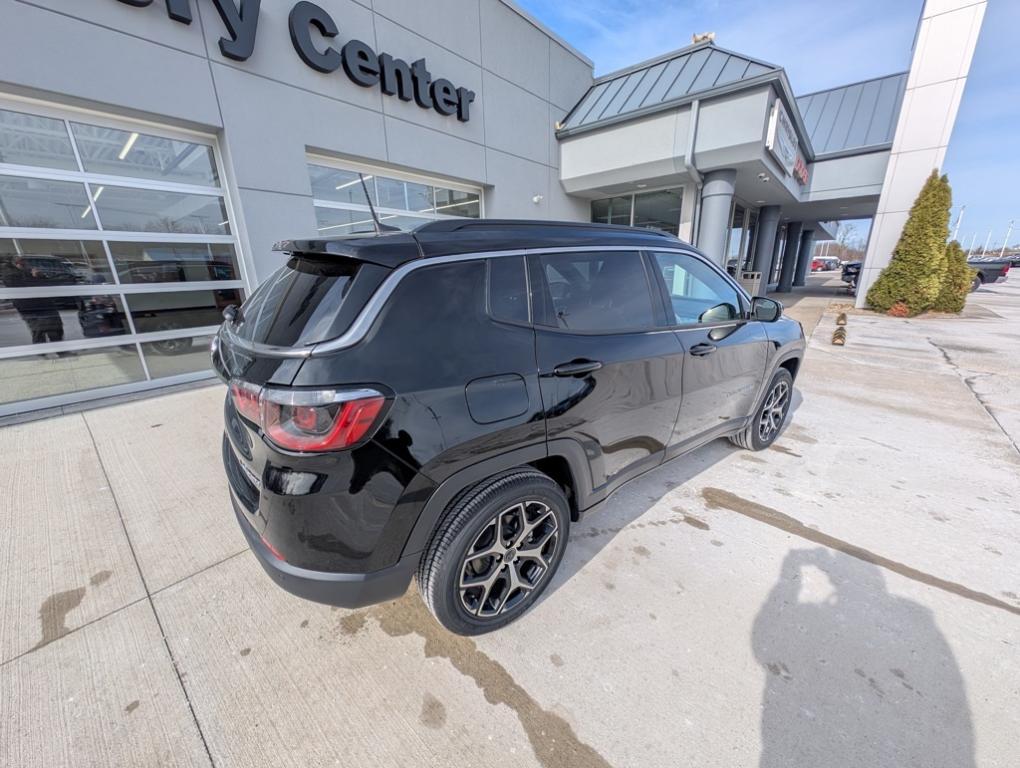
701 350
576 368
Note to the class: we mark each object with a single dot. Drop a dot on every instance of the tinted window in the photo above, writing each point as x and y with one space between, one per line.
508 289
595 291
697 292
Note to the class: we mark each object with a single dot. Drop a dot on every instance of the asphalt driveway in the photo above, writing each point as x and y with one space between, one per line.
850 597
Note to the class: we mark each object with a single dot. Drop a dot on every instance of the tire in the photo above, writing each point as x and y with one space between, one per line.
976 283
509 582
755 436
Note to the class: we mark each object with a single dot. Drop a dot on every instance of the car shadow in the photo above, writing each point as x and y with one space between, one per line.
855 675
625 506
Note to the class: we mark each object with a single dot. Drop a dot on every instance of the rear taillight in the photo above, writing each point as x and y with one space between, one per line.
309 420
246 400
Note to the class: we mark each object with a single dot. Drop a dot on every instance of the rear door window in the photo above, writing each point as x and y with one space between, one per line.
593 291
307 301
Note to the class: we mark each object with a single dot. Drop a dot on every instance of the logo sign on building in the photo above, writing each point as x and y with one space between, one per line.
312 30
781 139
800 172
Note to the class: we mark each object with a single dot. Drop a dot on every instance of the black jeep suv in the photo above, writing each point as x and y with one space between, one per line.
443 403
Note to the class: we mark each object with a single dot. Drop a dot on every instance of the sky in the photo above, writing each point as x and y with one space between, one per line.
825 44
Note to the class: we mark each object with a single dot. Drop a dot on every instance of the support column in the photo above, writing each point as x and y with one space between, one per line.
793 230
944 45
807 247
767 277
768 226
716 203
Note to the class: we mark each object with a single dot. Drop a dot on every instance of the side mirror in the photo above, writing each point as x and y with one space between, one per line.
765 310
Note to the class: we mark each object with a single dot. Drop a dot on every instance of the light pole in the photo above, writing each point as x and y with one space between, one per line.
970 250
987 241
959 220
1009 232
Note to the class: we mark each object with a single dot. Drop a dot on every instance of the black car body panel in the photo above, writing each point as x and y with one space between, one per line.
478 377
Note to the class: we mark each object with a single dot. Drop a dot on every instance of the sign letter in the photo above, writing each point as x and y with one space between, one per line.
241 24
304 16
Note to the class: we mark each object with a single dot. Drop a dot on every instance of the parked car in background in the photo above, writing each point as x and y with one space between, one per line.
443 403
851 271
824 264
990 270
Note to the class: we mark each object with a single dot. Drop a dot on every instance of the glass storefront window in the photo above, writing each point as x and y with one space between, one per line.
26 378
43 204
174 310
29 319
173 262
148 210
34 140
658 210
76 310
43 263
141 156
172 357
650 210
612 210
341 207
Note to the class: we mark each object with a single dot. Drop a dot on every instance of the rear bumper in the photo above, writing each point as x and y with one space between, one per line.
346 590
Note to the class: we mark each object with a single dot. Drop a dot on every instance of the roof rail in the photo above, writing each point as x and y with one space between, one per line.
455 225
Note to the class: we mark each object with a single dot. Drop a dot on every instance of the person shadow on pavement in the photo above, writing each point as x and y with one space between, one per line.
855 676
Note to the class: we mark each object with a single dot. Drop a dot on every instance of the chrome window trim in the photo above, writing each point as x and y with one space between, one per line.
367 317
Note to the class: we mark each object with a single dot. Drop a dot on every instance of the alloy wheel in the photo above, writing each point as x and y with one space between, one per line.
508 559
774 411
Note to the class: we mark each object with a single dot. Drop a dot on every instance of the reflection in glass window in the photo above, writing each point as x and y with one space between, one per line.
596 291
23 378
403 195
171 310
39 203
340 221
613 210
174 262
46 319
35 140
172 357
43 263
658 210
149 210
697 292
339 186
141 156
453 202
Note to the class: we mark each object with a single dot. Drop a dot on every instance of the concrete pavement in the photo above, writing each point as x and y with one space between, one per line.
850 597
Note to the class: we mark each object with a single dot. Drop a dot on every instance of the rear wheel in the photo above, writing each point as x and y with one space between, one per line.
771 414
976 283
495 552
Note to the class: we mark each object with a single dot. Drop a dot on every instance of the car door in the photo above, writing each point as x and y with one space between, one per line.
605 360
725 351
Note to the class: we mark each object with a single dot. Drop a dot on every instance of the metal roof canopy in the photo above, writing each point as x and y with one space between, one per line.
674 77
853 117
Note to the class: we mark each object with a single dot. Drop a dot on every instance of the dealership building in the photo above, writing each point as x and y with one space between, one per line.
153 151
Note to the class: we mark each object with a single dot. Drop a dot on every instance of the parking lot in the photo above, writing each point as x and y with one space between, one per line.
850 597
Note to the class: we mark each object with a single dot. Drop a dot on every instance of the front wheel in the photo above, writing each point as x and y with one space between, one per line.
495 552
771 414
976 283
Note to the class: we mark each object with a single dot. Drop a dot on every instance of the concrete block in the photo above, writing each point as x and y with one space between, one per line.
178 512
106 695
65 558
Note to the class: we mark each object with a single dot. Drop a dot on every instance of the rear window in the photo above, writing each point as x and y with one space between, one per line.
307 301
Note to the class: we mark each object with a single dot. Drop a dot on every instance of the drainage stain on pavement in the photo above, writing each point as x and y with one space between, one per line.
53 614
552 738
433 712
55 608
716 498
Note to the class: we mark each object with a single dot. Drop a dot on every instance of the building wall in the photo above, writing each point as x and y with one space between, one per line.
270 111
943 50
